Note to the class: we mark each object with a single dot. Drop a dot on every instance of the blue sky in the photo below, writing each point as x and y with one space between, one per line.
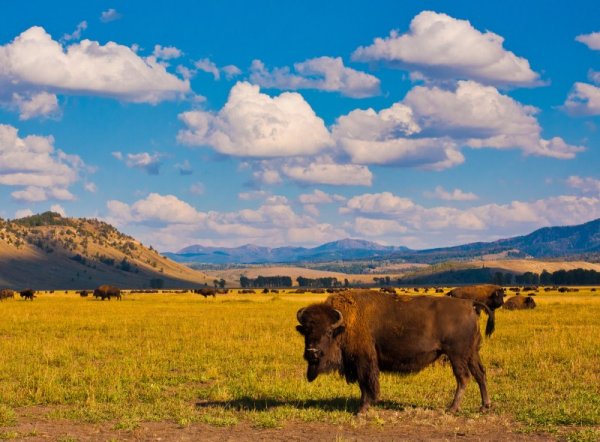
410 123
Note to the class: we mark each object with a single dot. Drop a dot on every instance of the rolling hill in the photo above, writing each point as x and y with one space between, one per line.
48 251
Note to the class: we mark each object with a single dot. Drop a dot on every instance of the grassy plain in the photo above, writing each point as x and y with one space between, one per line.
238 360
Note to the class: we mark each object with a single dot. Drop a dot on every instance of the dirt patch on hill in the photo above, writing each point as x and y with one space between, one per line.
379 425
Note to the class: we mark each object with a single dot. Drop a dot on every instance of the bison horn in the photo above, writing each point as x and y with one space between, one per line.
299 314
340 319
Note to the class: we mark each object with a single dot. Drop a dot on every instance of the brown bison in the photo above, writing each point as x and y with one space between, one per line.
27 294
519 303
488 294
206 292
6 294
107 292
388 289
360 333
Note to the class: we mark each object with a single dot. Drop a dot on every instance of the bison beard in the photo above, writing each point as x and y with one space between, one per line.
360 333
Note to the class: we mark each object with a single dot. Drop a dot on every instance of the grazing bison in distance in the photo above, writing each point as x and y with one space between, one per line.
519 303
206 292
360 333
6 294
27 294
107 292
488 294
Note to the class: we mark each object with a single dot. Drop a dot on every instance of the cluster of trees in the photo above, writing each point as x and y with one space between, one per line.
265 281
384 280
320 282
560 277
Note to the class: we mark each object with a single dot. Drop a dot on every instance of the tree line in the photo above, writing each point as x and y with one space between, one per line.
560 277
265 281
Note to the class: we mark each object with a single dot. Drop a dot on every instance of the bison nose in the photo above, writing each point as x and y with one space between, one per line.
312 354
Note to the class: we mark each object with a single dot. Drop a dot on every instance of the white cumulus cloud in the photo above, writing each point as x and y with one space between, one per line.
587 185
584 99
253 124
166 52
34 63
591 40
109 15
33 164
149 162
454 195
434 224
440 46
31 105
319 197
322 73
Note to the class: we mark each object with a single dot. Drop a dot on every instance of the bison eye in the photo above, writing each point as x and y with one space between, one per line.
300 329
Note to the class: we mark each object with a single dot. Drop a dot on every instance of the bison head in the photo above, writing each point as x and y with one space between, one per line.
321 326
496 299
529 302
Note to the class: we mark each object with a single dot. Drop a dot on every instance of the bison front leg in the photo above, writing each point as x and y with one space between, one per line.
368 381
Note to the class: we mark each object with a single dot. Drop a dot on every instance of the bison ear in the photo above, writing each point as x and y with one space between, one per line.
300 329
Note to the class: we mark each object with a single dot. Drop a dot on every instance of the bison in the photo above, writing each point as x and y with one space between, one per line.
488 294
6 293
206 292
388 289
360 333
519 303
107 292
27 294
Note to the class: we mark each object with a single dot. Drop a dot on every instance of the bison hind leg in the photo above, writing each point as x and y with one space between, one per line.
478 371
461 373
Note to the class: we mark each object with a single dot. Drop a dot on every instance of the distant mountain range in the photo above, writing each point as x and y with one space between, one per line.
345 249
548 242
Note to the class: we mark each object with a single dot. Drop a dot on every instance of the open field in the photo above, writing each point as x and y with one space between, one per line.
178 366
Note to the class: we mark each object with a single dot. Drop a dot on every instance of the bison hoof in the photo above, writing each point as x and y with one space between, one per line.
363 410
452 409
485 408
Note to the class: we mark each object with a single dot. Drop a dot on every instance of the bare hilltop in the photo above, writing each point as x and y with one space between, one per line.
49 251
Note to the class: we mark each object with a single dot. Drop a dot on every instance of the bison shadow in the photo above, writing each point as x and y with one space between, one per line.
350 405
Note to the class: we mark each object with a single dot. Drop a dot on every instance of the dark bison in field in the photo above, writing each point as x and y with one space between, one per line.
488 294
27 294
107 292
206 292
360 333
6 294
519 303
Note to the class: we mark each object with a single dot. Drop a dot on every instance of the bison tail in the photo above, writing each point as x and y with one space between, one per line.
490 326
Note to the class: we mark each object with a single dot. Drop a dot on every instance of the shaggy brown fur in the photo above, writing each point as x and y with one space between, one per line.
27 294
519 303
488 294
359 333
6 293
107 291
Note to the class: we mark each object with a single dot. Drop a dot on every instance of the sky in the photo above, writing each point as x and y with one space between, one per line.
414 123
